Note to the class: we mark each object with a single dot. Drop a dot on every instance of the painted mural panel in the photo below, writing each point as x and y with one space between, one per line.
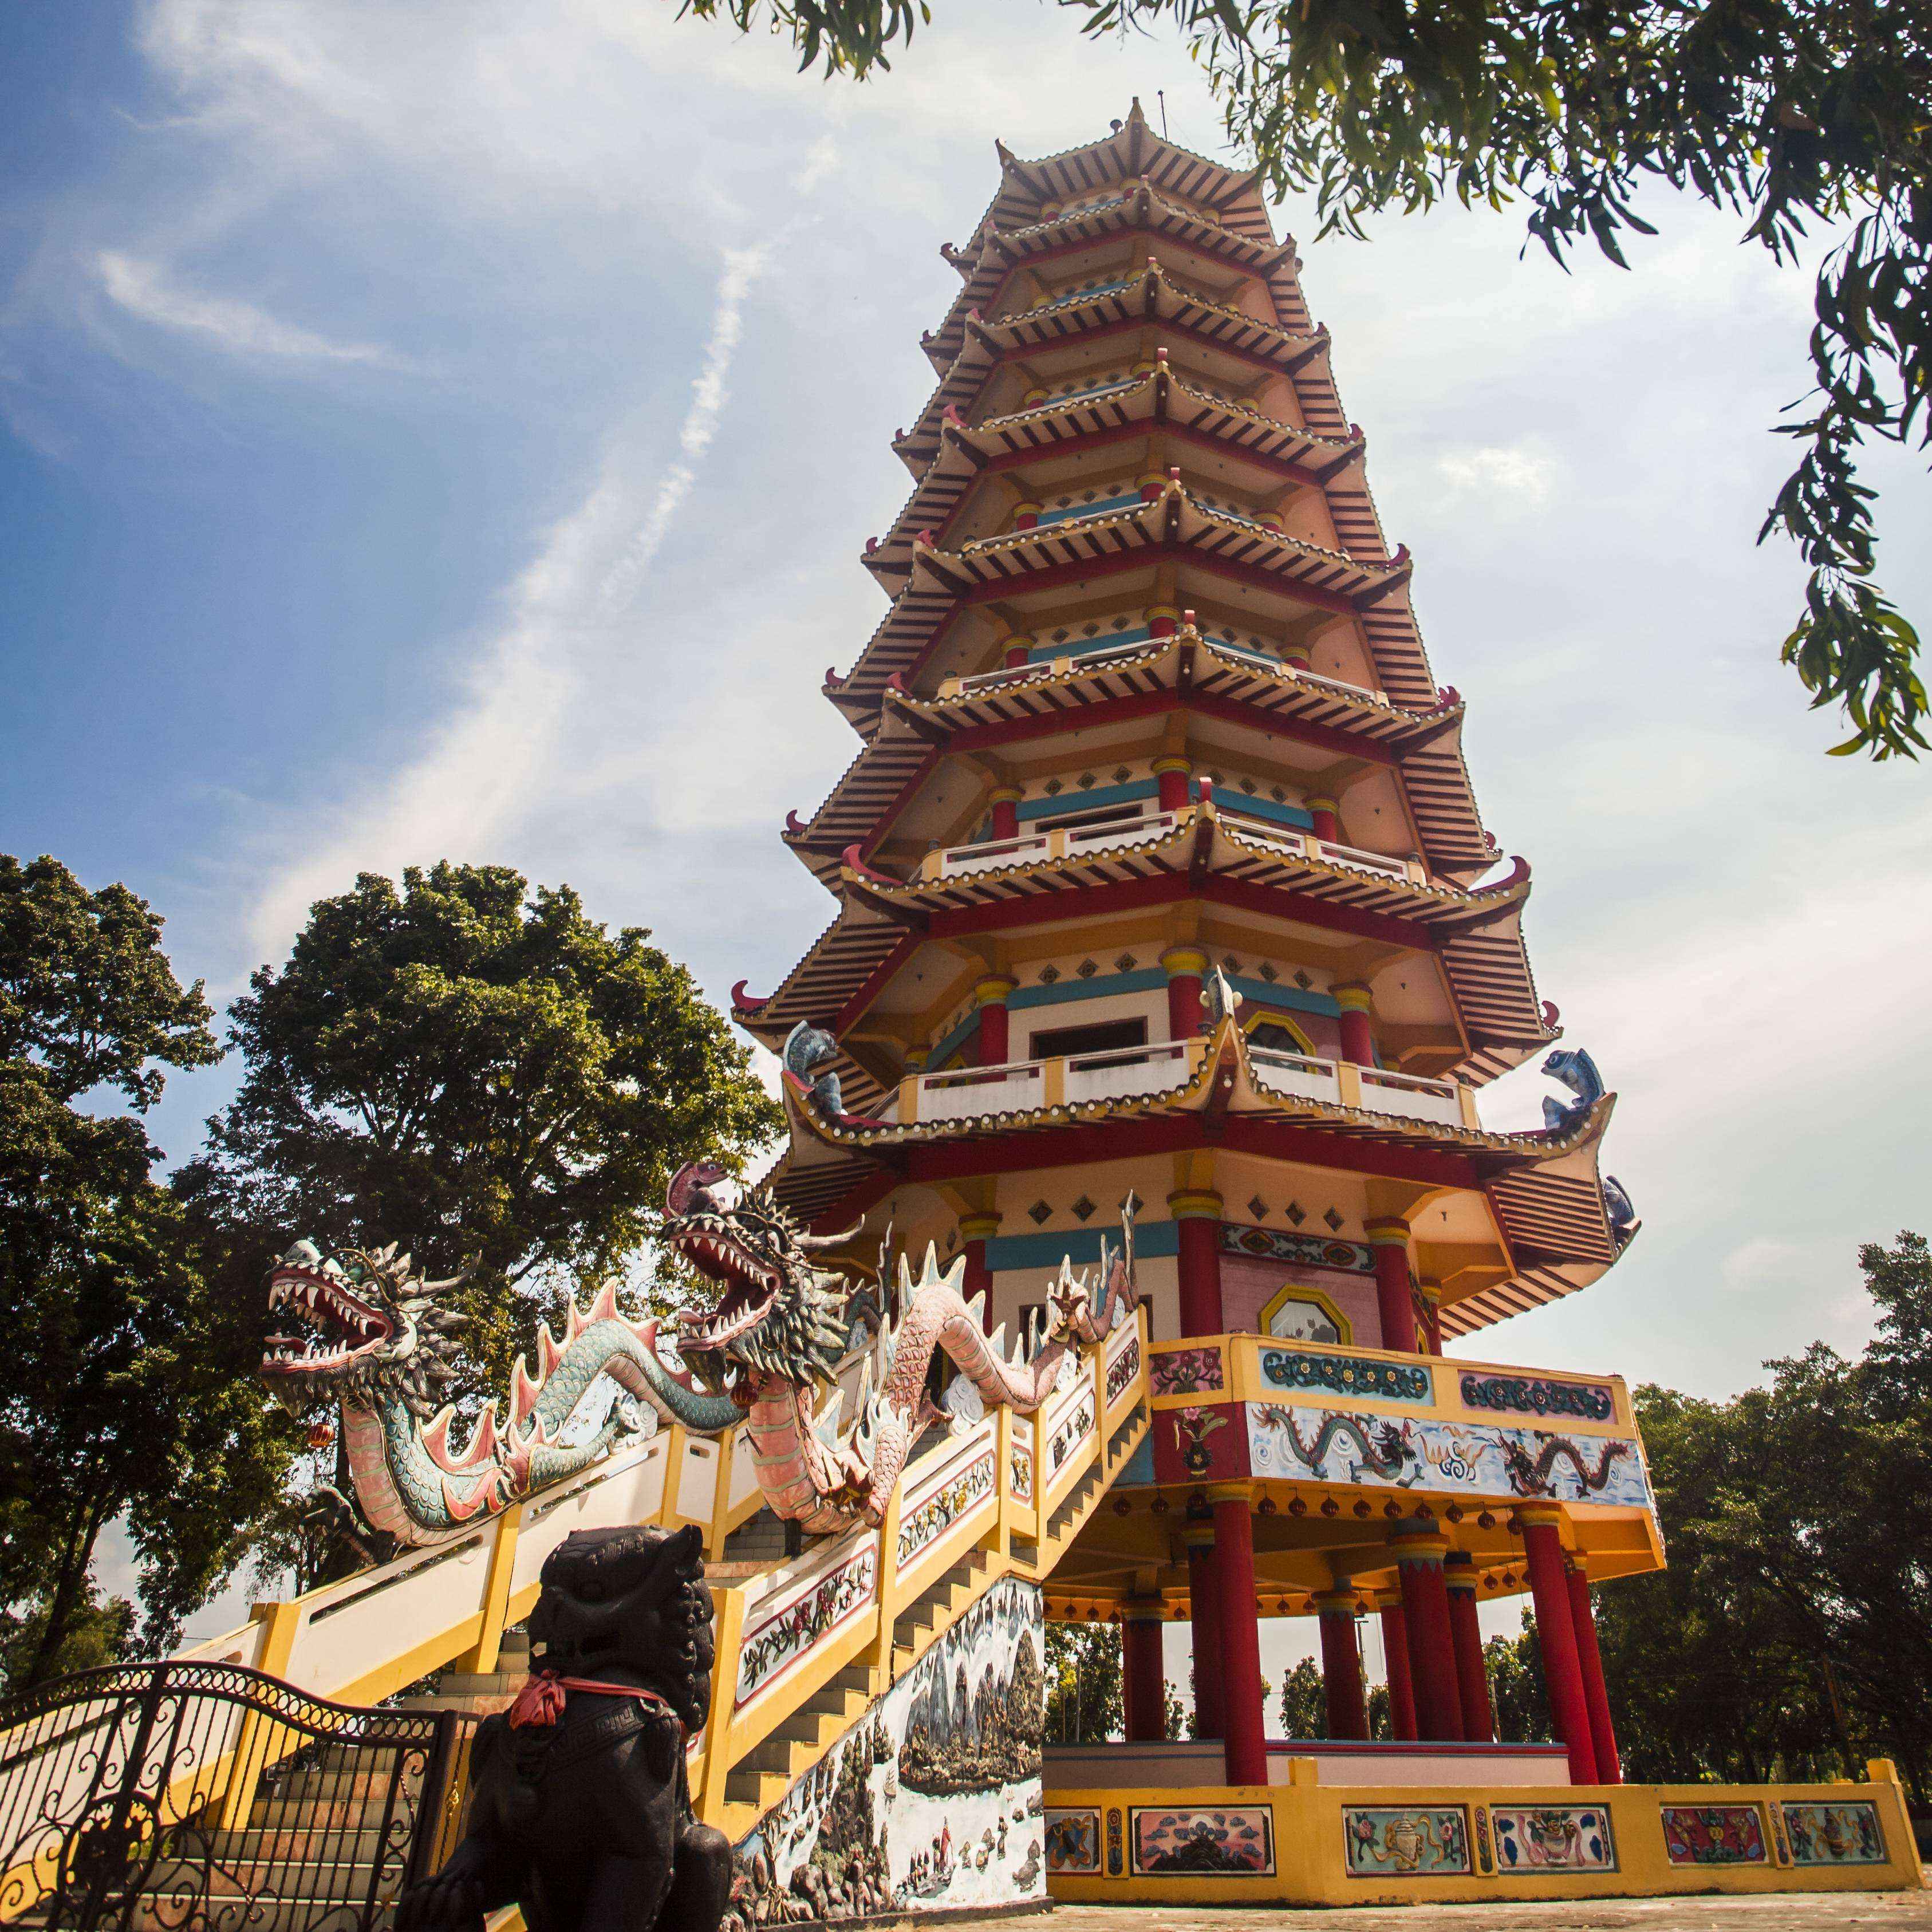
1405 1840
1554 1837
931 1801
1843 1833
1714 1835
1296 1443
1186 1372
1072 1840
1172 1841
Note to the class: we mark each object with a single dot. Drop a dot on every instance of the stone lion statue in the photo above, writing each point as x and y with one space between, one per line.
581 1814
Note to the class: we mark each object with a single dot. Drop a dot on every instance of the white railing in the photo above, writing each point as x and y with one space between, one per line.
1087 656
1414 1096
1016 1088
1127 1070
1306 845
1072 841
1359 691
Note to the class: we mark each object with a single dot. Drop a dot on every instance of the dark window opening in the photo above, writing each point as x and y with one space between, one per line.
1103 1036
1276 1037
1101 814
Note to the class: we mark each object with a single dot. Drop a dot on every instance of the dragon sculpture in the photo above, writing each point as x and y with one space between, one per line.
364 1326
776 1335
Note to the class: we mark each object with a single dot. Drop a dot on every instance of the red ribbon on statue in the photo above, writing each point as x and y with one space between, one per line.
540 1702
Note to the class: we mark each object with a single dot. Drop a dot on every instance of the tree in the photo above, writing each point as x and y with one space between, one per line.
1794 114
1515 1667
484 1073
1085 1700
1304 1704
123 1391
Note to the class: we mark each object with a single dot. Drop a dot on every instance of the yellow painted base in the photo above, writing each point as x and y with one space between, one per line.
1311 1864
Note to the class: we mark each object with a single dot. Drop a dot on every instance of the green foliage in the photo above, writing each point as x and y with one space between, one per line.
1174 1719
1796 115
1521 1698
484 1074
125 1387
1304 1706
1084 1698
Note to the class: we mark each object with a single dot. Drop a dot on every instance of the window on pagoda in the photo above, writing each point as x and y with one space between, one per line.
1101 1036
1276 1037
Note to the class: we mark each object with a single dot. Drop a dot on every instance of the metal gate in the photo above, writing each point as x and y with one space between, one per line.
175 1797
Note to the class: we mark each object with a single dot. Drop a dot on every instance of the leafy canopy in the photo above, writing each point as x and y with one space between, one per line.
1798 116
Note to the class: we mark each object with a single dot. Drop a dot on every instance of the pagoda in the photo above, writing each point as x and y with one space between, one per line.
1160 885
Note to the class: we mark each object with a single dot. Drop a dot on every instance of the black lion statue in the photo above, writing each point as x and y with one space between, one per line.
580 1812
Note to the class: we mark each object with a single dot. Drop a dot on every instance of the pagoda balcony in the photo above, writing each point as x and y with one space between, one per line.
1137 644
1167 1066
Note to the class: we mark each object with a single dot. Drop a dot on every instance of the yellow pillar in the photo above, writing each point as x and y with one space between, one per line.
255 1745
481 1656
717 1766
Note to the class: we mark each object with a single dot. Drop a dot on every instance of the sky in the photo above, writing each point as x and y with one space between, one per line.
452 430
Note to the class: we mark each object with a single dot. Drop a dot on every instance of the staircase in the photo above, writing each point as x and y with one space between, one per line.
806 1645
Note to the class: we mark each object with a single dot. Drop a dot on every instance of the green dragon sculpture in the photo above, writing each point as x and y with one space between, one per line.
365 1327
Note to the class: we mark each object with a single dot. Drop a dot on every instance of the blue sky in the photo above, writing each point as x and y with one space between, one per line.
451 430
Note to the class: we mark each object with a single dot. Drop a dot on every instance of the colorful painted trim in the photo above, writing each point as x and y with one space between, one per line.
1122 1371
1714 1835
1276 1244
1300 1444
1554 1837
1179 1842
1520 1395
1019 1473
1845 1833
1405 1841
1116 1857
947 1505
1346 1374
1065 1439
1186 1372
768 1647
1485 1857
1073 1843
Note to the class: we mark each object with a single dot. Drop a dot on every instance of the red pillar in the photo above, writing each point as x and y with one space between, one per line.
1026 516
1183 966
1242 1732
974 1230
1019 650
1596 1693
1358 1043
1419 1552
990 995
1163 619
1401 1679
1328 821
1203 1612
1172 775
1556 1636
1143 1677
1342 1665
1198 1218
1472 1676
1152 485
1006 802
1393 1300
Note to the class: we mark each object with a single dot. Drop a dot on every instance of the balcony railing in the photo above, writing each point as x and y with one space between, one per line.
1023 1085
1306 845
1414 1096
1072 841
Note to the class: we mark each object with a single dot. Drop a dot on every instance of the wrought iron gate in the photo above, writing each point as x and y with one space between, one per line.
177 1797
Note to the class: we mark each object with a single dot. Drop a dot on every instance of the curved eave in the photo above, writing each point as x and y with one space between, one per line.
1136 208
1206 843
1149 296
1159 401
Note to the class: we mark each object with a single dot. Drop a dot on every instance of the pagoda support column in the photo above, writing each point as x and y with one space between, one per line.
1172 775
1358 1039
1197 1213
1395 1657
1026 516
1472 1676
975 1230
1184 966
1419 1552
1143 1675
1019 651
990 996
1163 620
1204 1612
1427 1301
1394 1298
1556 1636
1005 803
1244 1733
1596 1693
1341 1687
1327 817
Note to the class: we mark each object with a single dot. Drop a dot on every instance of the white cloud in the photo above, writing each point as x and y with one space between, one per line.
147 291
1516 471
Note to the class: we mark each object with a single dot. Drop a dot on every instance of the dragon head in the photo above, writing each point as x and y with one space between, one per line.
360 1324
778 1313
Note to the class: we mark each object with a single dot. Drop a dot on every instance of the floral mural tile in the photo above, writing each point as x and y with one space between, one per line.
1843 1833
1172 1841
1405 1840
1073 1843
1554 1837
1185 1371
1714 1835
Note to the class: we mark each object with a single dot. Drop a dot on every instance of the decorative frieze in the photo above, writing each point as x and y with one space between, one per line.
1278 1244
1347 1374
1533 1395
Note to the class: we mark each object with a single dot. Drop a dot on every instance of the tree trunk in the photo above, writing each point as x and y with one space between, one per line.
70 1587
